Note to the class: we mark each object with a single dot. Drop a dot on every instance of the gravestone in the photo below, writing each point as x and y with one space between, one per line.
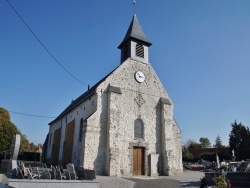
70 167
61 169
154 164
67 175
30 176
72 172
11 166
47 174
81 174
15 145
24 169
90 174
58 174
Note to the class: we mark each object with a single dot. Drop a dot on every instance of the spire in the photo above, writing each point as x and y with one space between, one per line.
135 32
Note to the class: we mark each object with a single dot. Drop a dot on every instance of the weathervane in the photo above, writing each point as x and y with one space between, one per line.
134 5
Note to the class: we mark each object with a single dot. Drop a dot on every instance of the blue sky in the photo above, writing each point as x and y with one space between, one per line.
200 51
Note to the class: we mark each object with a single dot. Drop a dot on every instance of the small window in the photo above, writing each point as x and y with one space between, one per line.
125 52
80 131
138 129
139 50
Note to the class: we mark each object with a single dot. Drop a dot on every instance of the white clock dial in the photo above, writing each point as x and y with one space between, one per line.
139 76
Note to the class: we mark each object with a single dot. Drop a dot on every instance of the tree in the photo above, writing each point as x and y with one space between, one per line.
218 142
7 131
186 155
4 115
191 144
239 141
24 142
205 142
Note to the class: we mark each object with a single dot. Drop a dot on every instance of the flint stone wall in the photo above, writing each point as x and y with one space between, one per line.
108 136
110 129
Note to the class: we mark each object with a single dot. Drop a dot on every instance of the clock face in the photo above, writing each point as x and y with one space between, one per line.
139 76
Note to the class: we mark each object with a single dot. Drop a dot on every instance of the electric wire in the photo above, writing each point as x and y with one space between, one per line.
44 45
30 114
59 64
40 116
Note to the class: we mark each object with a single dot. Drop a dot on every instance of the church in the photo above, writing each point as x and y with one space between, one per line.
124 124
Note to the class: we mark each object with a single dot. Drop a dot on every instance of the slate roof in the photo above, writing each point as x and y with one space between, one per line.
82 98
135 31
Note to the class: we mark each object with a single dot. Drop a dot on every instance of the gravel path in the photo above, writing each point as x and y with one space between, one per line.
190 179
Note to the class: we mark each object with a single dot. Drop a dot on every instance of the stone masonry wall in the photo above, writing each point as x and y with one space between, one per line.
138 100
171 142
109 133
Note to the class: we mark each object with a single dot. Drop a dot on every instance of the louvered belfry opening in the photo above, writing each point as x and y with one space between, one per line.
125 52
139 50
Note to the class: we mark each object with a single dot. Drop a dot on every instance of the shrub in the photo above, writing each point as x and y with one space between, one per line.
220 182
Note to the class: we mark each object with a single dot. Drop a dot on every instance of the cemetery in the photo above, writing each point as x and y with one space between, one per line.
25 174
232 174
237 173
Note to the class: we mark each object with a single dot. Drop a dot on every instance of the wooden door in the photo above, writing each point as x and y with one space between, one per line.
138 161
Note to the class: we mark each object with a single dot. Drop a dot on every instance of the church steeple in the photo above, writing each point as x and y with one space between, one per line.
135 43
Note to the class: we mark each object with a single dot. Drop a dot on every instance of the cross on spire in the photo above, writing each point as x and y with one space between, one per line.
134 6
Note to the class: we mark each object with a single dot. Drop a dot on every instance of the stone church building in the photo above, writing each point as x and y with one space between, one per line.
124 124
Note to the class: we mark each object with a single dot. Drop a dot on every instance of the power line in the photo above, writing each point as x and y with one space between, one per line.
44 45
30 114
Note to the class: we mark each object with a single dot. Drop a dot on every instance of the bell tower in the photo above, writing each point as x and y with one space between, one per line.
135 44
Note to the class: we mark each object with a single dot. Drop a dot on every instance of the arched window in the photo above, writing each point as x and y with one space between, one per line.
139 50
80 131
125 52
138 129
